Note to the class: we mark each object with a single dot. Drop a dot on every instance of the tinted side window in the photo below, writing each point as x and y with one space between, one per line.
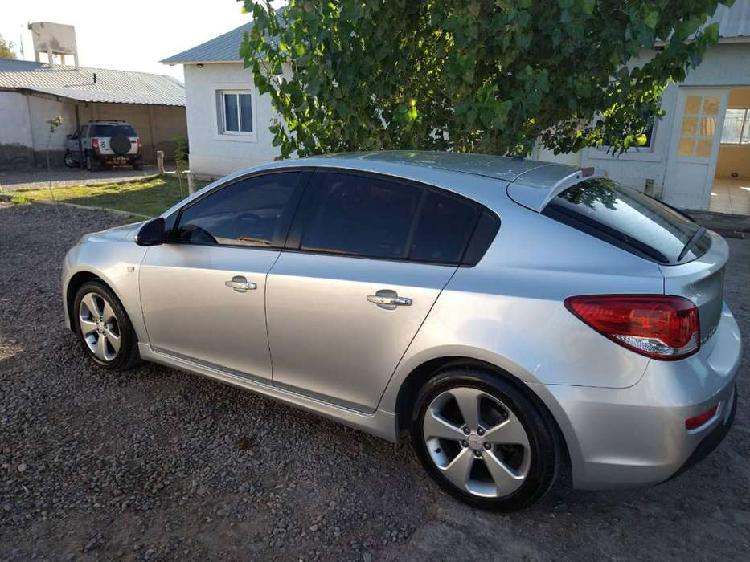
443 229
629 219
245 213
362 216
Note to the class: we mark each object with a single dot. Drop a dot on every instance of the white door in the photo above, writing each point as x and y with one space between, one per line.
694 147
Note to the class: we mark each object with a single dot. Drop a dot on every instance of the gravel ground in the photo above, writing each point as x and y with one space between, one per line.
160 464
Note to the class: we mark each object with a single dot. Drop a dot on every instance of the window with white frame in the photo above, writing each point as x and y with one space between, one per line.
736 128
234 112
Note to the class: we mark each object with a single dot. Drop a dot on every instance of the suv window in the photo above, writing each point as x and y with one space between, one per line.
630 220
244 213
368 216
112 130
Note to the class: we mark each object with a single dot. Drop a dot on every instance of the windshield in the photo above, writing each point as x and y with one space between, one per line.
630 220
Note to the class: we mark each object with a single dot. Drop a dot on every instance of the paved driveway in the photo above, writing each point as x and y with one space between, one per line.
61 177
160 464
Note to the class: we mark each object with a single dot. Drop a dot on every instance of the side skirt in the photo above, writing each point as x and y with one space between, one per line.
379 423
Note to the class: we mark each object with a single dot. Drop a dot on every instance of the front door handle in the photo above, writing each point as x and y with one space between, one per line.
240 284
388 299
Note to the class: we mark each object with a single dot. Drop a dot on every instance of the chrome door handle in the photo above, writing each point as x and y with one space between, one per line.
388 299
240 284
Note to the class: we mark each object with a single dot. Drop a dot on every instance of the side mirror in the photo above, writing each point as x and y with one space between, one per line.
151 233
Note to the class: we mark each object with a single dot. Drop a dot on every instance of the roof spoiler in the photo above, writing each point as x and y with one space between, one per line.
537 195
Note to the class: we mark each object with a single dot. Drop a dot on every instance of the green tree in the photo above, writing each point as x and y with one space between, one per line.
470 75
6 49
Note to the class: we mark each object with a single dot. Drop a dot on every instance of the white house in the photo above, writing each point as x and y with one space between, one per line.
698 156
227 119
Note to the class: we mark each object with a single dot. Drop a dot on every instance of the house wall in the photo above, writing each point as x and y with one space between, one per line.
15 132
212 154
735 159
723 65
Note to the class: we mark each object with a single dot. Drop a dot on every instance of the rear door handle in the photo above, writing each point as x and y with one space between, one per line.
240 284
386 298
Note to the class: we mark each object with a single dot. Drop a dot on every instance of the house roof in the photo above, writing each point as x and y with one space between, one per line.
734 21
224 48
91 84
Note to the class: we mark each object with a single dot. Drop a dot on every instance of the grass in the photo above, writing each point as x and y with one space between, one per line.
148 197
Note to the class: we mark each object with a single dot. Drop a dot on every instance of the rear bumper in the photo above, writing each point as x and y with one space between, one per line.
637 435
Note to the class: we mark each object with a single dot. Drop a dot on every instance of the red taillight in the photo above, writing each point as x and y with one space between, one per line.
95 144
661 327
701 420
139 146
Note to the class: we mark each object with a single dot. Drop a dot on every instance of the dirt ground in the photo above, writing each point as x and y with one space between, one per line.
159 464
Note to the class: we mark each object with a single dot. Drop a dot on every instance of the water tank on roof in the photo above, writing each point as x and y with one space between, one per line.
54 39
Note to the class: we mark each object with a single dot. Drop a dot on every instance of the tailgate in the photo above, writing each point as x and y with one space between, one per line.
701 281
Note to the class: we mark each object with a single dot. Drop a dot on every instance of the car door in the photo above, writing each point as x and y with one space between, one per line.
367 257
202 293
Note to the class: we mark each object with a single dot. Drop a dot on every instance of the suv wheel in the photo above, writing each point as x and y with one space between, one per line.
104 328
483 441
68 160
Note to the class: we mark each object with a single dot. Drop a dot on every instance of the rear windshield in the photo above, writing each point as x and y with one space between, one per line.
630 220
112 130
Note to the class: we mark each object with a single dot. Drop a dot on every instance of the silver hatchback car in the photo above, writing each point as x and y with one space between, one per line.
515 317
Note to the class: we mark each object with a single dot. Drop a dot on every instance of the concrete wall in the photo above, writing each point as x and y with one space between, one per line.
15 132
723 65
735 158
211 153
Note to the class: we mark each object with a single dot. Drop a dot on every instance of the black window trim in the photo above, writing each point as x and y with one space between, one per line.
287 217
303 215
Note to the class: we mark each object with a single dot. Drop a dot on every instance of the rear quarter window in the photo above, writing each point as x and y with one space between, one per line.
629 220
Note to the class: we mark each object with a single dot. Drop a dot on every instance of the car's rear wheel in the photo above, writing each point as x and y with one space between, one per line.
484 441
104 328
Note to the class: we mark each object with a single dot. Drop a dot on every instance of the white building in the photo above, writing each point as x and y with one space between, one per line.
698 156
227 119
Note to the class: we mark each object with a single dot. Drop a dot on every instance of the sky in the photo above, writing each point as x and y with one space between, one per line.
129 35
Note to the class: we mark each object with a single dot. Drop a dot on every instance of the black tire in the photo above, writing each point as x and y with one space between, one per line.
92 164
138 165
68 160
544 446
127 356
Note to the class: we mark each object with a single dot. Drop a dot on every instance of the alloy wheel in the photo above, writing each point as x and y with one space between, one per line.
476 442
100 328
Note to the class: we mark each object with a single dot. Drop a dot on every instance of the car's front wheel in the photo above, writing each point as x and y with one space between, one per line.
104 328
483 440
